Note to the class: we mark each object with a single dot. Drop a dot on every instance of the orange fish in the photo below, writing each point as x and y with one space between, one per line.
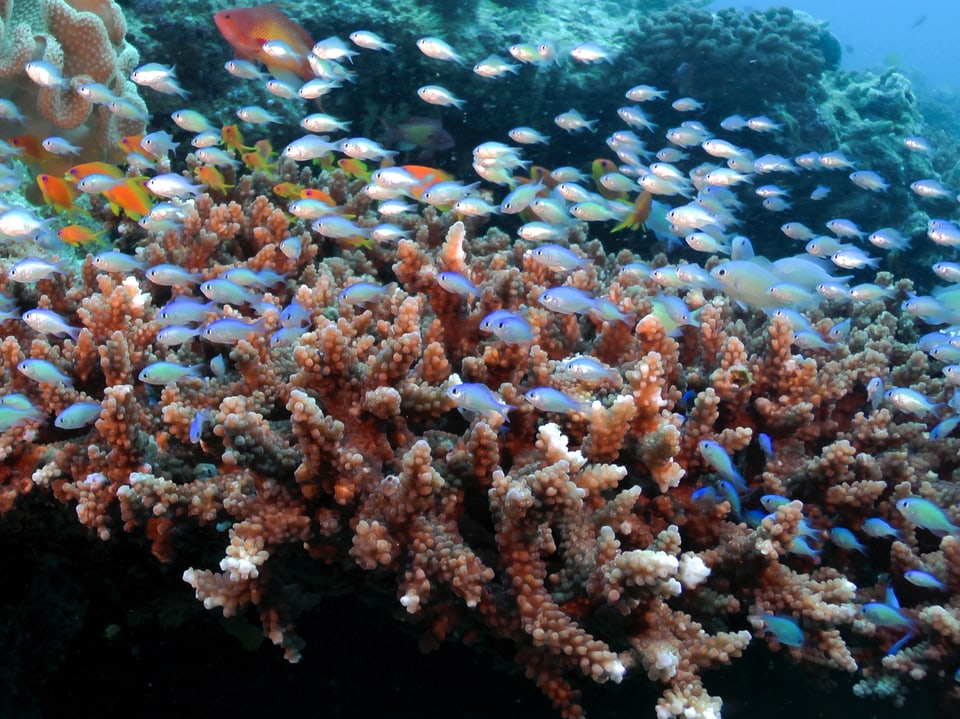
427 176
78 172
288 190
232 138
247 28
212 178
260 158
542 174
315 194
31 146
638 214
130 196
131 143
56 192
598 169
78 235
354 168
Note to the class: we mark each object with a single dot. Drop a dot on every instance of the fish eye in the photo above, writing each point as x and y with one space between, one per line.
721 272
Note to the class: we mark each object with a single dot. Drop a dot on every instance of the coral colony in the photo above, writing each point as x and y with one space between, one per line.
628 465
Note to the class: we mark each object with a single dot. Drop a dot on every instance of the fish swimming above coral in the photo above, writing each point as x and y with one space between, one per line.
615 400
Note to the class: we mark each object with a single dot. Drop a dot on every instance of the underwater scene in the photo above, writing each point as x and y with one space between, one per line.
470 359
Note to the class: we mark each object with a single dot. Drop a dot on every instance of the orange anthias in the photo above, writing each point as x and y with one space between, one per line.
129 196
247 28
56 192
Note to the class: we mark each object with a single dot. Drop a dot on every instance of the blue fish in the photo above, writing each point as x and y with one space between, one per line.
784 629
196 426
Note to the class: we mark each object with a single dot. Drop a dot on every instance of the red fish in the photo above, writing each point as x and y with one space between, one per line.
427 177
247 28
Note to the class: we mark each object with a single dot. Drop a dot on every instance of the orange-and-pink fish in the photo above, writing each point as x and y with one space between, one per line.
248 28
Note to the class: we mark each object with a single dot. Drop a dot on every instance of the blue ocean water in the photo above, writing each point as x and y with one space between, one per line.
914 37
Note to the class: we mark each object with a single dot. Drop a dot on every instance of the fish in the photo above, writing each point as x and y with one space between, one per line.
565 299
79 172
57 193
785 630
549 399
230 330
59 146
31 145
573 121
247 29
427 134
45 74
32 269
370 41
171 184
716 456
362 293
495 66
131 196
78 235
438 95
637 216
212 178
114 261
845 539
926 514
910 401
591 52
476 397
320 122
439 49
161 373
44 371
77 415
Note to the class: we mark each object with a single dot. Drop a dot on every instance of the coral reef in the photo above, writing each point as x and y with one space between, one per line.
574 537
